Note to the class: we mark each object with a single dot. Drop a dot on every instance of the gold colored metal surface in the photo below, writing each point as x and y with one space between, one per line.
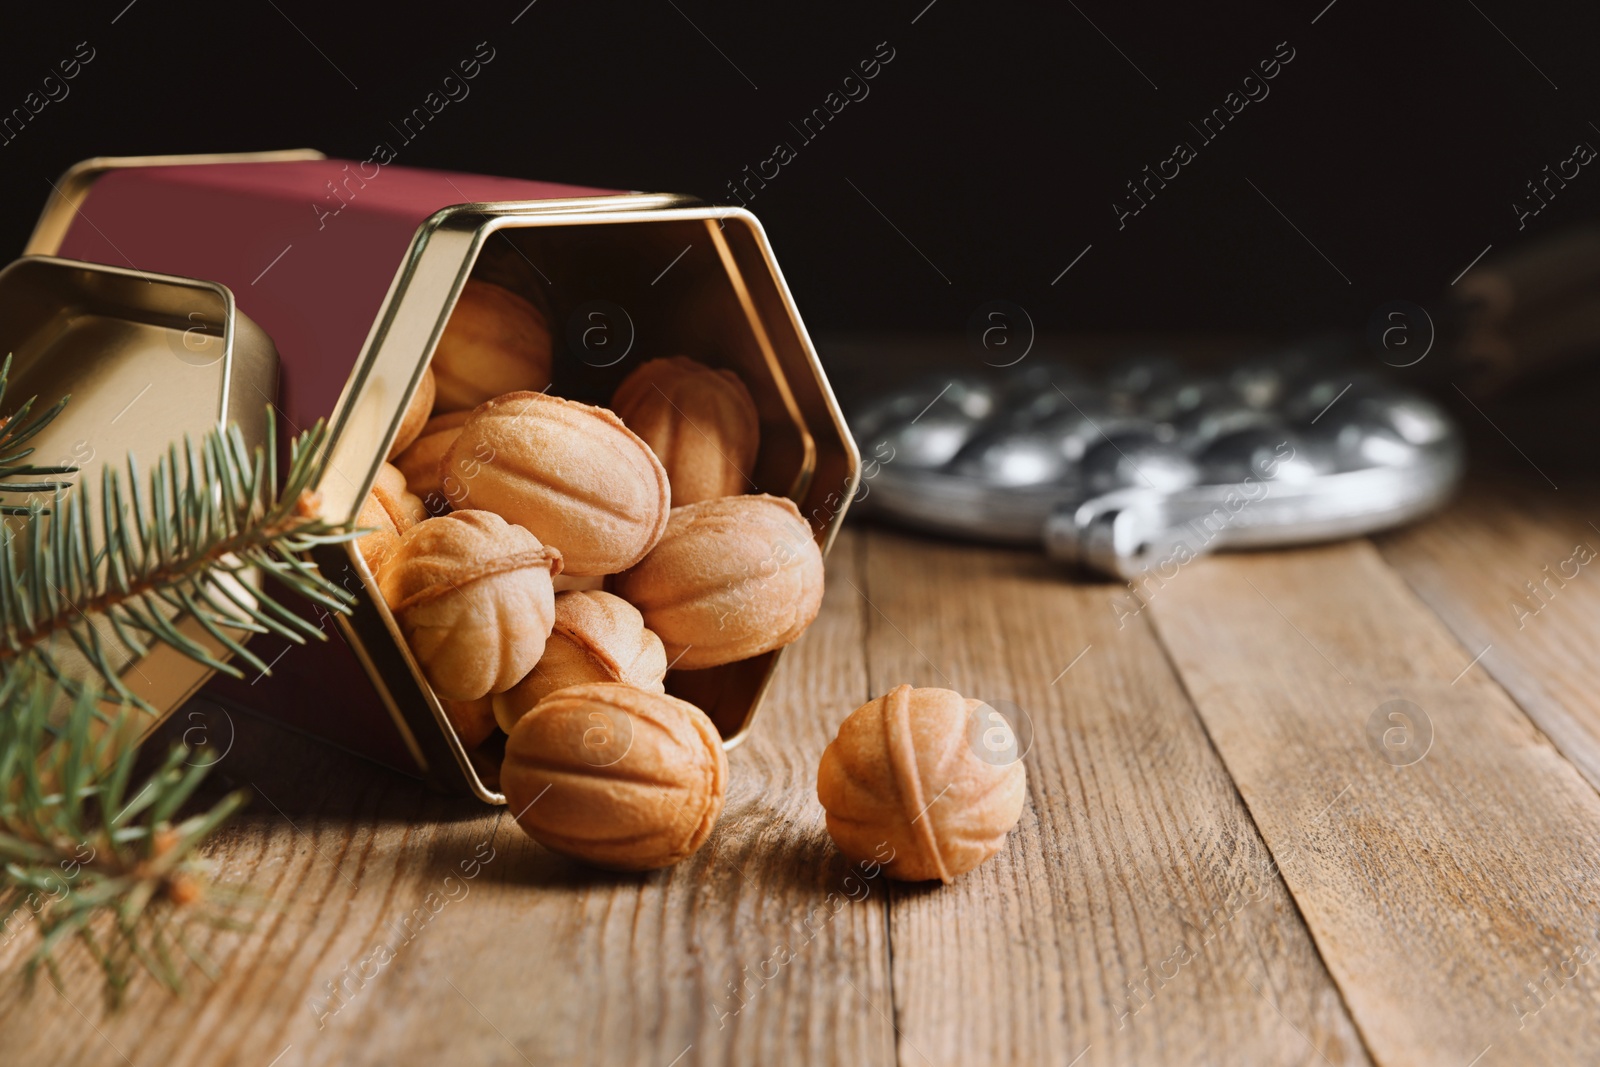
837 472
687 279
147 359
68 193
806 463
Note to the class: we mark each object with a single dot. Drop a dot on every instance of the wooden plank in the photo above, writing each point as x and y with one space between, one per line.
1474 566
536 959
1450 886
1133 916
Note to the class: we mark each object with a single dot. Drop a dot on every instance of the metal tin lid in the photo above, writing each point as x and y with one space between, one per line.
146 359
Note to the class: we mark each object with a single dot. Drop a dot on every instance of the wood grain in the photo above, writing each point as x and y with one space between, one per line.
1474 566
1451 894
1134 916
536 959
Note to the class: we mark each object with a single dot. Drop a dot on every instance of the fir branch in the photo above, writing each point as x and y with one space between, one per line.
85 862
87 857
184 541
16 430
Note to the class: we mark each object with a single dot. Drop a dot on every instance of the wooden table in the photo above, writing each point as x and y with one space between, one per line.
1223 859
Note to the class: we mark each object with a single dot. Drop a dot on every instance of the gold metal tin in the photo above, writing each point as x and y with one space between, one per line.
686 278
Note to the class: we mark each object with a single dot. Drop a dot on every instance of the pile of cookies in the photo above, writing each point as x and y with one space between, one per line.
548 561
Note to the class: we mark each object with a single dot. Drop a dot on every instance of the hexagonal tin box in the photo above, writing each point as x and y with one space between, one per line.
353 269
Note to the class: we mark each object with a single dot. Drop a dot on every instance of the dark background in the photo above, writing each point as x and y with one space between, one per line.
995 141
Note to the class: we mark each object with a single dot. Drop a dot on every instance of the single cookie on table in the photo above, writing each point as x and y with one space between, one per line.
701 423
616 776
420 462
472 595
920 772
495 342
732 578
571 473
597 637
390 509
416 414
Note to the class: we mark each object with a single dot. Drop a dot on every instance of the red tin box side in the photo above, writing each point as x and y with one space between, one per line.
308 247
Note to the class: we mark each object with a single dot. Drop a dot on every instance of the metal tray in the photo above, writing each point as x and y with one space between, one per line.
1149 465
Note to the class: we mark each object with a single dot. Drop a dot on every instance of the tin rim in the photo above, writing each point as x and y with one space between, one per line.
67 194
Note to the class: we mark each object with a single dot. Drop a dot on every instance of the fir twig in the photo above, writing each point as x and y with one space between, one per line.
183 542
16 430
87 856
